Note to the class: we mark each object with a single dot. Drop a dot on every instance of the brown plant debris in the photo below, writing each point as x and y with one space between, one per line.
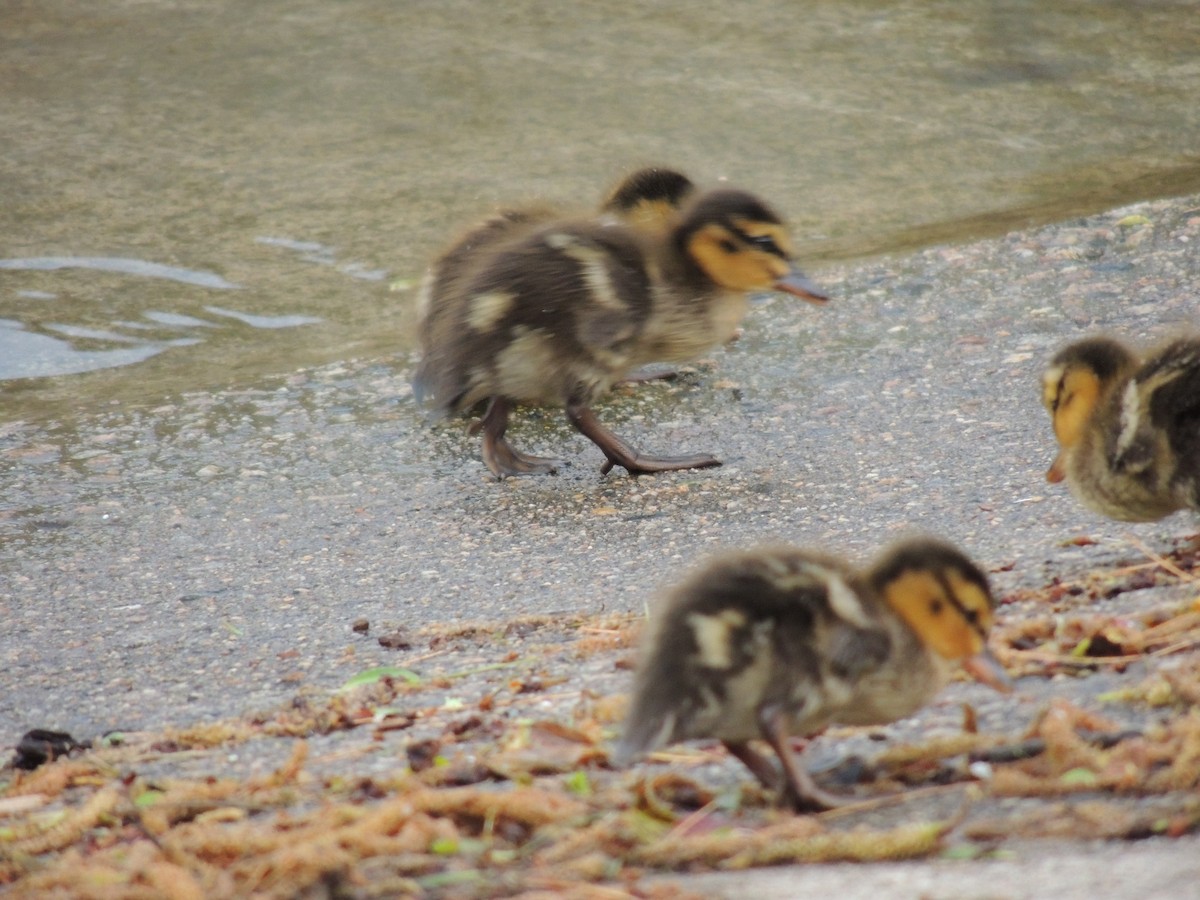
478 767
1046 644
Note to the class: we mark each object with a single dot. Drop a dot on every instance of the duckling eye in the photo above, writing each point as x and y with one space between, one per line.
971 615
935 607
766 242
1061 398
728 245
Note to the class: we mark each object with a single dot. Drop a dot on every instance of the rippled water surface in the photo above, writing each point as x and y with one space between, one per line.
201 194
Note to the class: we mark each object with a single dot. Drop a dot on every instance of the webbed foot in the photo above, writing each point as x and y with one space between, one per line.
622 454
501 457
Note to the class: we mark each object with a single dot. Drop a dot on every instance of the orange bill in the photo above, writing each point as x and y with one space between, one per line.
797 283
985 668
1057 471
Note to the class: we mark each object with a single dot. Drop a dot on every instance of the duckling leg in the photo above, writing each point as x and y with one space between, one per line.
761 767
621 454
799 790
499 455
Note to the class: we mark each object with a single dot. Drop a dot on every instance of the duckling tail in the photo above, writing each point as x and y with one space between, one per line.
642 734
420 386
429 390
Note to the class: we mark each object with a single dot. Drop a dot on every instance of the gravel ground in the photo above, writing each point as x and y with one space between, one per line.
209 556
1061 870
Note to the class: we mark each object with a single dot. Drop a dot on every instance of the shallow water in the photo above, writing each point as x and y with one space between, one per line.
199 195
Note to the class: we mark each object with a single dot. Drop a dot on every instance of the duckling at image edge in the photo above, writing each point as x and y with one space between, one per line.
778 641
1128 429
555 313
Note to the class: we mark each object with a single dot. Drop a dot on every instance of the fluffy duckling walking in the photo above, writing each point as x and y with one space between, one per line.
529 311
1128 430
778 641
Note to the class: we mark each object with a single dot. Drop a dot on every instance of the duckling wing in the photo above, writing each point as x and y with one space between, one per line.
1158 414
1175 410
846 654
546 318
602 277
445 288
856 652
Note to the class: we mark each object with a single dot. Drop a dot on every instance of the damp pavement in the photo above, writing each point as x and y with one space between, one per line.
179 562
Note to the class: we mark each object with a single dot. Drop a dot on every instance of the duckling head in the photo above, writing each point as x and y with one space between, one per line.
742 245
649 198
946 600
1072 386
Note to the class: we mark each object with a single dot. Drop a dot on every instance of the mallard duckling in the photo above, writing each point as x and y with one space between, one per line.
649 198
556 313
778 641
1128 430
646 198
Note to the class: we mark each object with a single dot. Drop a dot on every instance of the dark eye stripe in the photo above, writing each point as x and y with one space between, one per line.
761 241
1058 394
970 616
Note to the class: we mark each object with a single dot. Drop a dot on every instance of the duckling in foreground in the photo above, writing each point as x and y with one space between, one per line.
1128 430
554 313
778 641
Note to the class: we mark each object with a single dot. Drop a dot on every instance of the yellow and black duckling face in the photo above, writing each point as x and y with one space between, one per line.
947 602
649 199
1072 387
742 245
